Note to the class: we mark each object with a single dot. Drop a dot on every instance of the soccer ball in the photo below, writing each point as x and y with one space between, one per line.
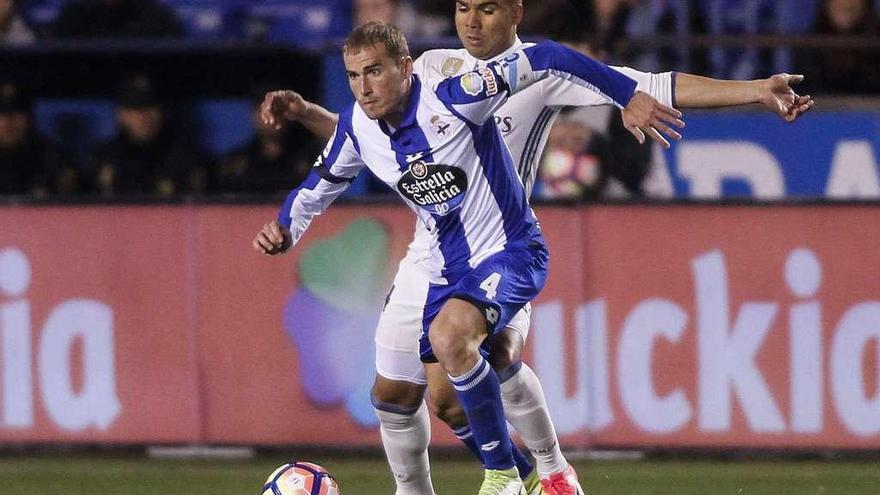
566 175
300 478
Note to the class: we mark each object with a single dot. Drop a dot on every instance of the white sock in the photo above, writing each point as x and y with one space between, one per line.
526 409
405 438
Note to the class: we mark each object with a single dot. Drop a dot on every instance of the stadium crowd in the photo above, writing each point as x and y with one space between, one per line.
145 150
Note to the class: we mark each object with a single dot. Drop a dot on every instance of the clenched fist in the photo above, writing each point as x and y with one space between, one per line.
273 239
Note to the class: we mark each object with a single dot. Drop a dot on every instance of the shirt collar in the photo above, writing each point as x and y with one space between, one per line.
475 62
409 113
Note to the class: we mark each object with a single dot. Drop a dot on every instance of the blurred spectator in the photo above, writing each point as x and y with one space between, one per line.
601 23
272 162
29 163
591 155
13 29
117 19
147 156
619 20
559 19
414 21
427 18
632 162
843 70
575 164
374 11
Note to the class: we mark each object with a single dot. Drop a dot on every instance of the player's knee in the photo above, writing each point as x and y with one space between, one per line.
448 345
396 393
506 349
456 331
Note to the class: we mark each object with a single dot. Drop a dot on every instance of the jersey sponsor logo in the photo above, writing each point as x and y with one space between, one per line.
451 66
435 187
488 75
505 124
472 83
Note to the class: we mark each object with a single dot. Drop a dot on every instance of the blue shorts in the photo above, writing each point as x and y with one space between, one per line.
499 286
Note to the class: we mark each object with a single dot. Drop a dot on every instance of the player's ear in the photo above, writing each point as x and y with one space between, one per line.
517 12
407 65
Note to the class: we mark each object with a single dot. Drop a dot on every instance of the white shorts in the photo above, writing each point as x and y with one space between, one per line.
400 324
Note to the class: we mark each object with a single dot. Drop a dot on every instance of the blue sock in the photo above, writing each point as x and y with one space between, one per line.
523 465
479 392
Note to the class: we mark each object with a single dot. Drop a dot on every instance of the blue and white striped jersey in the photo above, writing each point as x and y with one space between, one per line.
525 118
447 159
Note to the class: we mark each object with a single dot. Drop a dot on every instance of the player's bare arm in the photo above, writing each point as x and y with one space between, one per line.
645 116
287 105
774 93
273 239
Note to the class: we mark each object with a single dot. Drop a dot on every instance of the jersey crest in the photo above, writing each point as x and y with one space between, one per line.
439 126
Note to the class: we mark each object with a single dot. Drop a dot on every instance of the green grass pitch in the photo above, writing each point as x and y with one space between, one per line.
130 475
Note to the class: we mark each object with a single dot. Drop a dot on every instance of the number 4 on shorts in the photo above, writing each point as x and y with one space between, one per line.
490 285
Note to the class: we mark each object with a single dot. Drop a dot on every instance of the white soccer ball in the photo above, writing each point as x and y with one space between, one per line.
300 478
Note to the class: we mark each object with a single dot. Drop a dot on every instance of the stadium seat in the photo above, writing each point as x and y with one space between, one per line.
41 14
644 23
737 17
78 124
304 23
211 19
793 17
224 124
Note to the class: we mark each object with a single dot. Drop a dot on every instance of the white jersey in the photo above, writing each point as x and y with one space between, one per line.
447 159
526 118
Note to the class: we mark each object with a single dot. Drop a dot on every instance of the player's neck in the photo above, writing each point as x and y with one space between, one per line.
395 117
500 52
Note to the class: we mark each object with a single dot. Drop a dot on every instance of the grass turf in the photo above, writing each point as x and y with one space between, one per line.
88 475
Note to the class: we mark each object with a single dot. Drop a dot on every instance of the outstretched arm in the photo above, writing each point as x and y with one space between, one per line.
774 93
279 106
477 95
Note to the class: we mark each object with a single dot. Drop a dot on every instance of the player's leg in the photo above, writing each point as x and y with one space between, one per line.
526 408
455 336
400 383
405 430
399 386
524 405
478 305
443 403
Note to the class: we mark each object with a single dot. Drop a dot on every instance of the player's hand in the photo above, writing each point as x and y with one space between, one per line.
279 106
778 96
645 116
273 239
